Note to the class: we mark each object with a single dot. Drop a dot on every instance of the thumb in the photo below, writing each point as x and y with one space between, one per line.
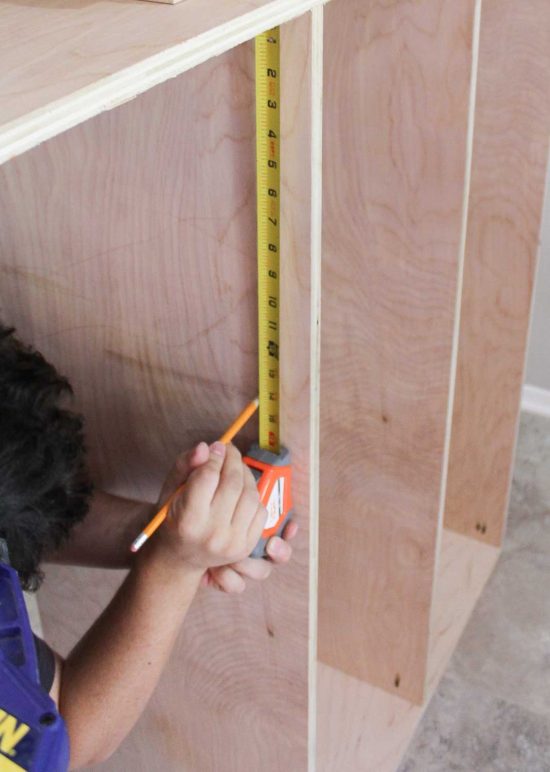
184 465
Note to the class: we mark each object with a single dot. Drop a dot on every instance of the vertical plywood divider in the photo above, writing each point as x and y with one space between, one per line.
512 123
128 255
396 107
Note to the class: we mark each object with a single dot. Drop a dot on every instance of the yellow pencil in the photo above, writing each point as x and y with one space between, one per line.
159 518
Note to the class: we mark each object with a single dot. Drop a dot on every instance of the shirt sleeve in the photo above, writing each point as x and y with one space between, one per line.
46 663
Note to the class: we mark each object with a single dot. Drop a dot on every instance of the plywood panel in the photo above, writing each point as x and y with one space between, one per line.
62 63
396 109
463 568
361 728
365 729
128 257
509 160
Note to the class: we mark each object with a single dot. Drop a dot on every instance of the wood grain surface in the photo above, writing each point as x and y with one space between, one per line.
512 126
366 729
463 568
396 108
361 728
62 62
128 256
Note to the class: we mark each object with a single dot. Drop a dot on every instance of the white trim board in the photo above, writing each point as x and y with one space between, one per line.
317 21
30 130
535 400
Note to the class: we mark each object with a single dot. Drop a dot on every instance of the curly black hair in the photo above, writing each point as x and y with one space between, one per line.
44 485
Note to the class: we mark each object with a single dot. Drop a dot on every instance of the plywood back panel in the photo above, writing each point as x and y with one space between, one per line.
127 255
396 107
512 125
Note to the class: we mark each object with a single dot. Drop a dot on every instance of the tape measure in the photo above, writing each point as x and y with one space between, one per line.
268 190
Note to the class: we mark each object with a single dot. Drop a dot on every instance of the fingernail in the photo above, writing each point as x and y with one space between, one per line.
218 448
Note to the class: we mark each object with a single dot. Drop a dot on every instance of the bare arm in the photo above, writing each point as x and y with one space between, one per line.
110 675
107 679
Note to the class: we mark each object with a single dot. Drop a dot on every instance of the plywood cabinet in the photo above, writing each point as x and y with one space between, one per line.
414 149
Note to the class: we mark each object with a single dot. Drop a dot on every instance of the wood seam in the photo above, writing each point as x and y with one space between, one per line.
476 27
39 125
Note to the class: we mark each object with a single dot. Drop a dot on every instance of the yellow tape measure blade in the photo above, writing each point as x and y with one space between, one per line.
268 212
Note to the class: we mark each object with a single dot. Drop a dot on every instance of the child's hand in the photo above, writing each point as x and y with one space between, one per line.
232 578
218 518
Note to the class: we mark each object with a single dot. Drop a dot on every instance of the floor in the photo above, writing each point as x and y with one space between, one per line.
491 712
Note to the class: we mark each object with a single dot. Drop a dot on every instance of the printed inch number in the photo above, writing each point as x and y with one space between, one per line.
268 207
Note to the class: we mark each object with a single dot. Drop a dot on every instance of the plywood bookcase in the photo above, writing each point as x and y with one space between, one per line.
127 255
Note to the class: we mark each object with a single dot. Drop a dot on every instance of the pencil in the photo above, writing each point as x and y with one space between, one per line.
226 438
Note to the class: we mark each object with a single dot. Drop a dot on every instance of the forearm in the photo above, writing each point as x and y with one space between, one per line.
103 539
110 675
